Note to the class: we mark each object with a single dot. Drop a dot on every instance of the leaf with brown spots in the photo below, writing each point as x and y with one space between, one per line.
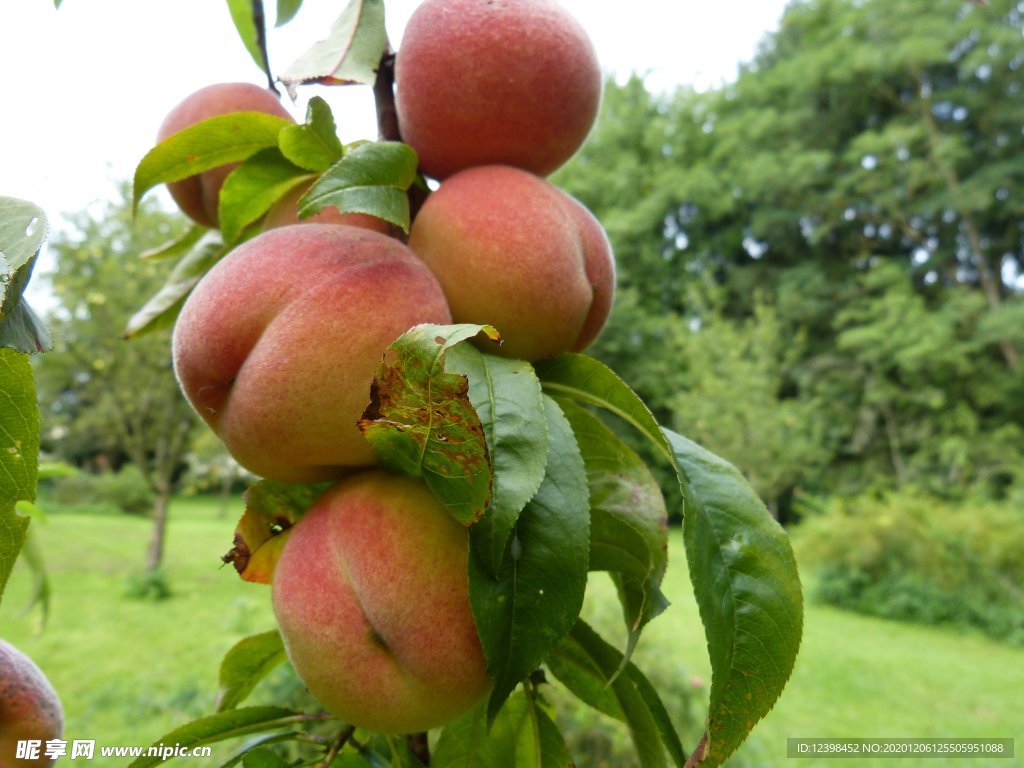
271 509
421 422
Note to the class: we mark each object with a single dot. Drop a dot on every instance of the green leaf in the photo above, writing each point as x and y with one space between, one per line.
256 743
33 558
589 381
262 757
538 592
253 187
421 422
162 309
19 454
351 52
210 144
23 331
286 10
588 666
248 662
748 591
507 397
22 232
179 246
523 735
222 726
628 524
371 178
245 22
314 145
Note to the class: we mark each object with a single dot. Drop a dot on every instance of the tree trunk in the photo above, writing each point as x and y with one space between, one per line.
155 554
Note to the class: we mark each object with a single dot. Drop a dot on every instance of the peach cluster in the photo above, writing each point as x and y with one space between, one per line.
277 346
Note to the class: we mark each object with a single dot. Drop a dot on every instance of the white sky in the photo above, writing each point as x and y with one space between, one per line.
84 88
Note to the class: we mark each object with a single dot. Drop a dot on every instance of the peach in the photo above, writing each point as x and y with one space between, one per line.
511 250
29 709
286 211
198 196
482 82
371 595
278 344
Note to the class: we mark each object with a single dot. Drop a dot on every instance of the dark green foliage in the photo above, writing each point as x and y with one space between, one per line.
913 557
125 490
820 264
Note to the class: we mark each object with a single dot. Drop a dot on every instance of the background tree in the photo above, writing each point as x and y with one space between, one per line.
109 400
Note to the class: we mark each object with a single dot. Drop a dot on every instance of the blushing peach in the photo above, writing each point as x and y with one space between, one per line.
278 344
371 596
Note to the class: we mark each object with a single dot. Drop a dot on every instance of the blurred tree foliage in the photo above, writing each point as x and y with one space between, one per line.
106 399
821 264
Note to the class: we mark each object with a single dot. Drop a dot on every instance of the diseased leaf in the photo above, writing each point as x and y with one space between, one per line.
248 662
629 524
221 726
538 591
245 24
220 140
253 187
421 422
589 667
507 398
314 145
271 509
371 178
19 454
748 591
351 52
162 309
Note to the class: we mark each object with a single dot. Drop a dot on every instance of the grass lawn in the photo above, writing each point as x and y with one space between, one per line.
128 670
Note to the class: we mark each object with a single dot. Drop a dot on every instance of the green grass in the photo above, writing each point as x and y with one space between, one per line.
128 670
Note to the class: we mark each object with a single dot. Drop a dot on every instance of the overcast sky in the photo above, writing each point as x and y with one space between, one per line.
84 88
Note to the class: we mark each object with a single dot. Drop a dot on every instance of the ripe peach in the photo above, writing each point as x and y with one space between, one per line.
511 250
198 196
286 211
278 344
372 599
479 82
29 708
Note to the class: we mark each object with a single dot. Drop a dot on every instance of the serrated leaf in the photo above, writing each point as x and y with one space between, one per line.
629 524
371 178
245 665
162 309
538 592
420 420
221 726
351 52
210 144
523 735
245 23
748 591
19 454
23 331
253 187
507 397
590 381
22 232
286 10
314 145
271 509
588 666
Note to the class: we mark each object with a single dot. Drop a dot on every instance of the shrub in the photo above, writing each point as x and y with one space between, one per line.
126 490
908 556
